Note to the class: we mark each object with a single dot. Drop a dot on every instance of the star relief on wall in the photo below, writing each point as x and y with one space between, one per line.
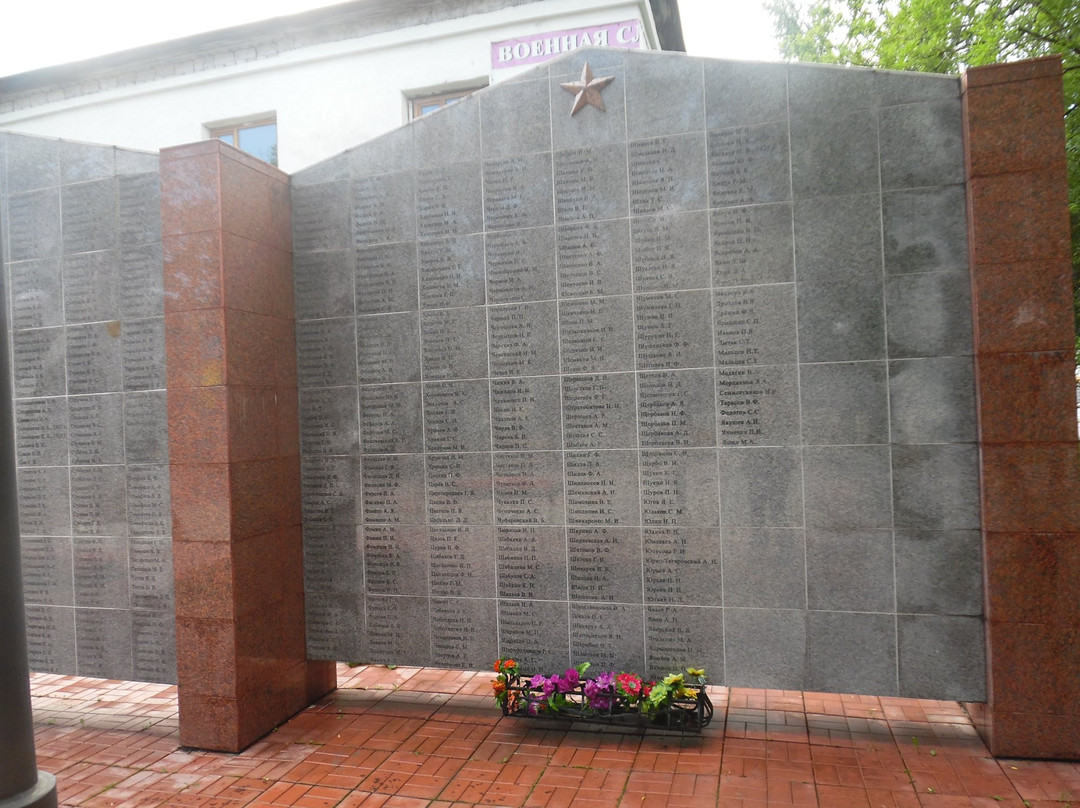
587 89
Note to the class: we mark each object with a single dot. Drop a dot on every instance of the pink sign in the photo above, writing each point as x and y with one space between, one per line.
541 47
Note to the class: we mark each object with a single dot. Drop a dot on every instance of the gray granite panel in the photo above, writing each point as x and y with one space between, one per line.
596 334
387 348
850 570
328 421
847 487
396 560
905 87
32 163
671 251
590 183
840 240
598 411
334 625
50 638
536 633
602 488
523 339
652 108
386 279
757 405
142 283
834 154
460 490
393 151
531 562
323 285
677 637
88 219
929 314
451 271
146 427
852 653
528 489
932 400
38 362
138 208
668 174
682 565
456 416
844 403
94 358
594 258
100 567
765 648
98 501
590 125
328 492
321 217
35 294
326 351
334 558
679 487
673 330
749 165
393 489
384 208
781 552
153 646
610 636
85 161
939 572
518 122
922 144
936 487
518 192
44 501
604 564
41 429
925 230
33 220
819 89
151 565
47 570
942 655
91 286
738 93
454 343
398 630
103 643
520 265
130 161
462 561
841 321
142 353
96 429
449 201
526 413
148 500
677 407
459 631
448 135
391 418
755 325
752 245
761 487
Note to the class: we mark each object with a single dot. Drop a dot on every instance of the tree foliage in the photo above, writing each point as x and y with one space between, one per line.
945 36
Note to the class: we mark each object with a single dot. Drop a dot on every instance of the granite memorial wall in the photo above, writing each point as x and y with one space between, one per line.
81 234
685 377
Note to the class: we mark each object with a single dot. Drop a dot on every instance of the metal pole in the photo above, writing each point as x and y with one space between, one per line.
21 784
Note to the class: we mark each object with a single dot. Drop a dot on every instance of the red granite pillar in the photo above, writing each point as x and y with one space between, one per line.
233 447
1022 302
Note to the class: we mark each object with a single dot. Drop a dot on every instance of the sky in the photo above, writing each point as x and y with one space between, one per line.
40 33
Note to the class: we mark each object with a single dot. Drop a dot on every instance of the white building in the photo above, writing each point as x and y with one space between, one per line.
301 88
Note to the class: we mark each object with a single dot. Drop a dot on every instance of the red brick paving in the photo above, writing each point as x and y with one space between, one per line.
412 738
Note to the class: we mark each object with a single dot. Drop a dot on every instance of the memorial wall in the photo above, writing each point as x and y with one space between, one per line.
684 377
81 234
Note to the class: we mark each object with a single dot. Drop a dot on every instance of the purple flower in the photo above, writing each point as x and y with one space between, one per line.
550 686
538 681
569 680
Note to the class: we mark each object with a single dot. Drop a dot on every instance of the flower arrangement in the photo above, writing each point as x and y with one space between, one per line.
677 701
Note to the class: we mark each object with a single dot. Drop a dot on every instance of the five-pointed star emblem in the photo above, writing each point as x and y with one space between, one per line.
587 89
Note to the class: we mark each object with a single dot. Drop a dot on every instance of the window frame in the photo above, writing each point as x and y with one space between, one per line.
235 126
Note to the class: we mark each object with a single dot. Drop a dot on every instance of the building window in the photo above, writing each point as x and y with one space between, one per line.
257 138
422 105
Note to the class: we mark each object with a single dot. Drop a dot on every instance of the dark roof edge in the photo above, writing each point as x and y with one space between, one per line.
668 25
